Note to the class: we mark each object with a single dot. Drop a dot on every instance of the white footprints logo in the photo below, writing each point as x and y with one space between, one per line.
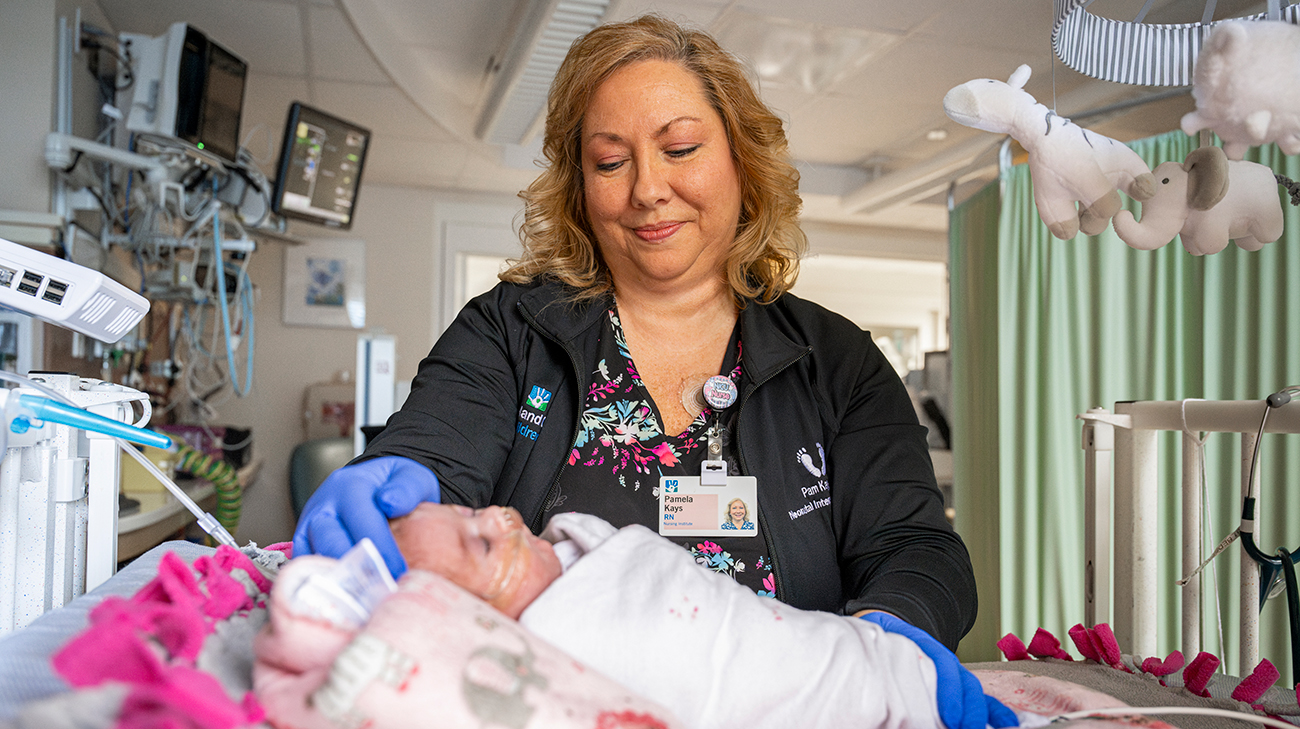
803 457
818 472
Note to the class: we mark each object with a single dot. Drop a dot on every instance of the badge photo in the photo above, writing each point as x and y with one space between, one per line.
688 509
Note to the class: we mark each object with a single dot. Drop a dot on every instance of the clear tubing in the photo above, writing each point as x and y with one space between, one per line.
206 521
225 308
1163 710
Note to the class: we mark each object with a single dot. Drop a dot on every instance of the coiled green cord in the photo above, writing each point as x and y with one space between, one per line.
223 478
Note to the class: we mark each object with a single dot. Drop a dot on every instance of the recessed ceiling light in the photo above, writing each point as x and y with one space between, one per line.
936 135
798 55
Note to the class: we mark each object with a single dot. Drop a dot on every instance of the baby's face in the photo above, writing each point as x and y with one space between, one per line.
488 552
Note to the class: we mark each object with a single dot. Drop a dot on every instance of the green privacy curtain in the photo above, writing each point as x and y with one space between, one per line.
1043 329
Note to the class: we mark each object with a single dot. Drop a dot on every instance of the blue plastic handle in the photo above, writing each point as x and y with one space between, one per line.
53 411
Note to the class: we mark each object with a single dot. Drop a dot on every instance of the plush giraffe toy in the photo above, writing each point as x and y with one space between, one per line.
1068 163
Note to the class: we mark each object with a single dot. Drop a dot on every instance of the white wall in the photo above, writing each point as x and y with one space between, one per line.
897 243
27 50
881 293
400 227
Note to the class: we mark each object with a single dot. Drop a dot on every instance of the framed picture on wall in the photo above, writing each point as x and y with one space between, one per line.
325 283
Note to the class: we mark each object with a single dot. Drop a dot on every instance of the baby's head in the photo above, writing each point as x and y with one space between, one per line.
488 552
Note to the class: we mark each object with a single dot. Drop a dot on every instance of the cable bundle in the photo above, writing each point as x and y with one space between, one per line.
223 478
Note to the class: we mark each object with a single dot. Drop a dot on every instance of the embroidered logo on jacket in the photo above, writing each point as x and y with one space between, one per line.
817 469
539 398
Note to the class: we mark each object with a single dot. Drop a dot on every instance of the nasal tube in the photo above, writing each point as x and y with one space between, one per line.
510 572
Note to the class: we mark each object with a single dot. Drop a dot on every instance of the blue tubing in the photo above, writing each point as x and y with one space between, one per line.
52 411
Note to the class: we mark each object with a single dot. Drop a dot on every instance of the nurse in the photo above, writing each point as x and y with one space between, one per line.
737 516
659 245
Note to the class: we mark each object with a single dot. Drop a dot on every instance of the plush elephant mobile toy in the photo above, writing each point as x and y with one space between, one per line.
1207 200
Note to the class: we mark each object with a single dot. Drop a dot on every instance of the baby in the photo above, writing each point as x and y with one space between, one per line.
638 610
431 653
488 552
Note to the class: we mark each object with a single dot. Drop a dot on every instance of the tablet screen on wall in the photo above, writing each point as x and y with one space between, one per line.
319 176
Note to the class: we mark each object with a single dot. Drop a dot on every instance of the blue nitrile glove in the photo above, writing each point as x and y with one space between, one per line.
357 501
962 703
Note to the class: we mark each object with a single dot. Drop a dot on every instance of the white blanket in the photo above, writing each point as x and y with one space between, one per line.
636 607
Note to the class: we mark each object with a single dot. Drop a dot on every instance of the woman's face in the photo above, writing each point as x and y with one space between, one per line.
661 188
737 511
488 552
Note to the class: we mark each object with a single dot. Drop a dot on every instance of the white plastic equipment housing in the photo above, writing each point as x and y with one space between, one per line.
58 503
67 294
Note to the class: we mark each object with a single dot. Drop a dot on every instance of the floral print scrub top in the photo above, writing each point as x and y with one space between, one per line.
621 452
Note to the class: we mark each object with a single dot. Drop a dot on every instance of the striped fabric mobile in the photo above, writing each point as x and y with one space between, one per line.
1135 53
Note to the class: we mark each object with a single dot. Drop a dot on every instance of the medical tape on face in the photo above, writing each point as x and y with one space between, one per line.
510 571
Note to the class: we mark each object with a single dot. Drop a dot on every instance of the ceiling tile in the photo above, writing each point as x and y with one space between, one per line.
450 22
973 23
924 70
267 35
1144 121
336 51
468 32
453 73
850 130
827 179
385 110
882 15
792 54
413 163
697 14
911 146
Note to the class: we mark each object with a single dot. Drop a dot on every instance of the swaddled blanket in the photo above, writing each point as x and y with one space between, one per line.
432 655
639 609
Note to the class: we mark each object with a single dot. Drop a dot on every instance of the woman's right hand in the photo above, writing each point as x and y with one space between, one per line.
357 501
960 696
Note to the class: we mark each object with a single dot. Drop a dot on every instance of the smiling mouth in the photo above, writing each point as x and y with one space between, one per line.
658 231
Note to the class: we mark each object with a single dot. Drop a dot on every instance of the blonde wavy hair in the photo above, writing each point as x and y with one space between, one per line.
556 233
742 503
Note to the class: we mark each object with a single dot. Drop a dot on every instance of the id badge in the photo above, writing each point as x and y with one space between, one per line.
687 509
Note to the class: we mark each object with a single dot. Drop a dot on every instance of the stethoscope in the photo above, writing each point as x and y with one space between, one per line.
1281 567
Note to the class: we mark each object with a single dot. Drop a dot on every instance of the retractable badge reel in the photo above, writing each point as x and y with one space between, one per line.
715 504
720 393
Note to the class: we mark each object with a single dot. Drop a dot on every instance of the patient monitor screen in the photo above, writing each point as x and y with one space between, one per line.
320 167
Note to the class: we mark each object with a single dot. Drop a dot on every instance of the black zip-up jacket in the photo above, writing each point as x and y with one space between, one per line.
862 528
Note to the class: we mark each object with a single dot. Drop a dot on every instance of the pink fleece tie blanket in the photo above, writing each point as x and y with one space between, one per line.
151 643
431 655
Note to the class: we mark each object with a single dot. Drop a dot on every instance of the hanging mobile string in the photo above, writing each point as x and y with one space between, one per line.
1207 527
1052 52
